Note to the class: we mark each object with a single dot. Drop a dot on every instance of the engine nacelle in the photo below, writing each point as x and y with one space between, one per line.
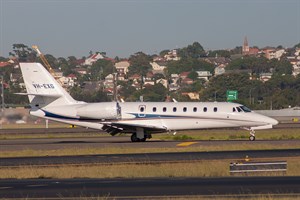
107 110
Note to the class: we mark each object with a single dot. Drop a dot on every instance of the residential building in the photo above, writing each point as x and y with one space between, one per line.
163 81
265 76
204 75
93 58
122 67
158 67
109 81
172 55
219 70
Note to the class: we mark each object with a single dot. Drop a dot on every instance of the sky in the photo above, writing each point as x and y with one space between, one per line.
121 28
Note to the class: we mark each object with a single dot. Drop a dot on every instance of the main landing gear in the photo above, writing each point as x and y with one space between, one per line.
140 135
134 138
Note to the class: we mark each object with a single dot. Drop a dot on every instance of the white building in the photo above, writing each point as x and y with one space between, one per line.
204 75
122 66
93 58
157 68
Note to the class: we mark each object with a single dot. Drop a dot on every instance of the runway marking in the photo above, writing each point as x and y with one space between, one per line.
185 144
4 188
41 185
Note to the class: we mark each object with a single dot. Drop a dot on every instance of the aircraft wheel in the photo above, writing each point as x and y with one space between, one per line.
252 138
134 138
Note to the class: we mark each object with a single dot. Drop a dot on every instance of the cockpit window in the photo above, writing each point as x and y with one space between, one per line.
239 109
233 109
245 109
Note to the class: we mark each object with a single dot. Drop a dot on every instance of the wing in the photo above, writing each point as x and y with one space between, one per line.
114 128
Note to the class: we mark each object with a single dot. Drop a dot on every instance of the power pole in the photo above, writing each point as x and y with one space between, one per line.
2 94
2 98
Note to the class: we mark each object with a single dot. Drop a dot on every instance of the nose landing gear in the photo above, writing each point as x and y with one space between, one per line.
252 135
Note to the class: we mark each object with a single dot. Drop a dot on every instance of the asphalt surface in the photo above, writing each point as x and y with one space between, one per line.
150 158
148 187
153 188
122 142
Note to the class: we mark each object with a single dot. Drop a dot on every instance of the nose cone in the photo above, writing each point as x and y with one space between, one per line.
272 121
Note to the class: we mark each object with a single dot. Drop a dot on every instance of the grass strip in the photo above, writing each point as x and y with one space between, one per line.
206 168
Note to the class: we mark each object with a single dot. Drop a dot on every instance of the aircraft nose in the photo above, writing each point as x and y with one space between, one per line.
272 121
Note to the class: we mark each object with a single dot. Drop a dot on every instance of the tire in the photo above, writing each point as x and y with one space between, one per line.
252 138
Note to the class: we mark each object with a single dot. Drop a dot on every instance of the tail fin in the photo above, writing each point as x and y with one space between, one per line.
42 89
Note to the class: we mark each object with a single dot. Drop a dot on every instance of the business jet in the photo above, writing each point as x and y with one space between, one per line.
141 119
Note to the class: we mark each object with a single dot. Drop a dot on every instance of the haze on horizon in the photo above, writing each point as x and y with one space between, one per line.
123 27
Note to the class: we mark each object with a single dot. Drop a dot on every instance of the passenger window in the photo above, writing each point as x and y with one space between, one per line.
142 109
205 109
184 109
215 109
164 109
195 109
174 109
154 109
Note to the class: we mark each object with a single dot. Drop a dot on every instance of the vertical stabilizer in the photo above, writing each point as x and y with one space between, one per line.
42 89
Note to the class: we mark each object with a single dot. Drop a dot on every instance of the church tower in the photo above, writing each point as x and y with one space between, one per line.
246 49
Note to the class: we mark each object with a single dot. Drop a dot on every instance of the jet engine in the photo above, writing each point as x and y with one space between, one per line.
107 110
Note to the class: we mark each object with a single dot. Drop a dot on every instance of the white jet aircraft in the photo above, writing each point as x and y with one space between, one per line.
50 101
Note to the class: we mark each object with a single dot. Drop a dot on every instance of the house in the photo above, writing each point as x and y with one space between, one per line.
265 76
109 81
135 78
219 70
57 73
175 78
183 75
163 81
191 95
158 67
122 67
149 79
4 64
204 75
81 70
173 87
93 58
187 81
272 53
172 55
121 77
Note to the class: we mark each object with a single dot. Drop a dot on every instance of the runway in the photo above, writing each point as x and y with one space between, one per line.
149 158
123 142
153 188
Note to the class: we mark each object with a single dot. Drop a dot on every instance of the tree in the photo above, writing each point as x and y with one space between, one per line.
193 75
297 46
164 52
101 68
194 51
23 53
219 53
139 64
189 64
256 65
